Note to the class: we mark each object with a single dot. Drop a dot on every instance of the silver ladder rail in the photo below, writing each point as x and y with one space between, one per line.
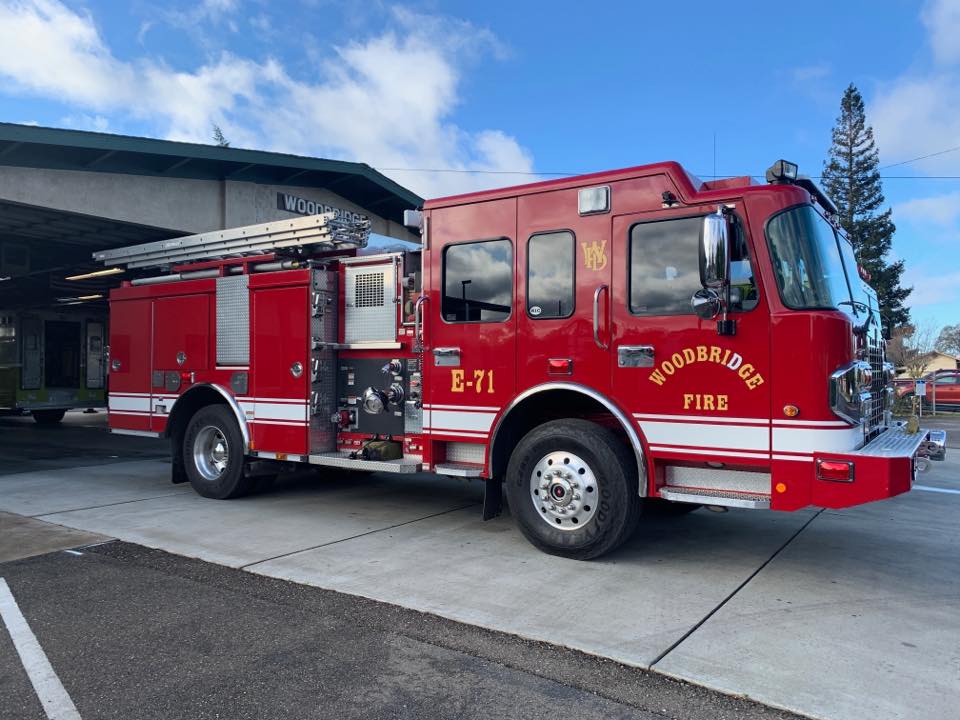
326 231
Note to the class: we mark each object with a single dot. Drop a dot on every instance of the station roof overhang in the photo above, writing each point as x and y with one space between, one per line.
57 149
68 239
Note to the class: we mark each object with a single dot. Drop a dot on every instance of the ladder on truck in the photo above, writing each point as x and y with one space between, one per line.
317 232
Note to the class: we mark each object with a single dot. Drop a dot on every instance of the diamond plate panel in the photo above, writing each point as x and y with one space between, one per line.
233 320
895 442
412 418
717 480
323 362
465 452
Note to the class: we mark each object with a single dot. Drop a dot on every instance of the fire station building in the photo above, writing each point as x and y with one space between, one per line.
66 193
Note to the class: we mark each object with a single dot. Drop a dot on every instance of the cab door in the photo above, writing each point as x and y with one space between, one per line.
696 395
471 318
564 273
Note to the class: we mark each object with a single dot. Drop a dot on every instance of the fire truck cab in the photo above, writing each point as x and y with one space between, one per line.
593 346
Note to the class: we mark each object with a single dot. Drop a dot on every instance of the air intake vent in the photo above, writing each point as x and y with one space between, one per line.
368 290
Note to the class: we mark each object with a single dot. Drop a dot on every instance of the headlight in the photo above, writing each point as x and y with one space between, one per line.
849 396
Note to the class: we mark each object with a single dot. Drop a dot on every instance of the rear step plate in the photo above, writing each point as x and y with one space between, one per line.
726 498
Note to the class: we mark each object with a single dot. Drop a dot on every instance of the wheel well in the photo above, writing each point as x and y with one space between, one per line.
185 408
542 407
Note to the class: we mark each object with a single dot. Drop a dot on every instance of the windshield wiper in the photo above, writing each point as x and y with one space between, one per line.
859 307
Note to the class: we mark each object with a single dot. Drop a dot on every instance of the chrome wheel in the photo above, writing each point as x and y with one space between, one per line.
210 453
564 491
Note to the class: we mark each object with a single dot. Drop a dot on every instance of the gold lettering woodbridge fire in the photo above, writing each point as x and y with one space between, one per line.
703 353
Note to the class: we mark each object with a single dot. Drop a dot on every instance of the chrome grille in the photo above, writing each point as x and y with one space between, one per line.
875 356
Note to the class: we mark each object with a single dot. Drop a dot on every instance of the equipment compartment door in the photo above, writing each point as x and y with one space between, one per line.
469 362
696 395
281 359
129 382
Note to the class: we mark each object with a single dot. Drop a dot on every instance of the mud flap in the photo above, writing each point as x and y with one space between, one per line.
492 498
178 472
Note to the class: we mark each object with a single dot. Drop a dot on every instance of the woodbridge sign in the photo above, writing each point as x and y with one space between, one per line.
302 206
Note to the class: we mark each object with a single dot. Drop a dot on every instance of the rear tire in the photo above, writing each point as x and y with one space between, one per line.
213 454
48 417
572 487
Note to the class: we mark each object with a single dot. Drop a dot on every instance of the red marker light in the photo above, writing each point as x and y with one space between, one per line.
560 366
835 470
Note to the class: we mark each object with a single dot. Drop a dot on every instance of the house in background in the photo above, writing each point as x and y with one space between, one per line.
936 362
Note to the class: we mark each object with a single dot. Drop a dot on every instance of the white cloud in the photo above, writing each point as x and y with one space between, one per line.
914 117
931 288
939 210
942 20
809 73
386 100
917 113
97 123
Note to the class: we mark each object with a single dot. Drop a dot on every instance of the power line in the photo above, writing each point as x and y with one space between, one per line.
922 157
531 173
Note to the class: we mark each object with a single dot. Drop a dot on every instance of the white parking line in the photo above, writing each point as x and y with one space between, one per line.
928 488
53 696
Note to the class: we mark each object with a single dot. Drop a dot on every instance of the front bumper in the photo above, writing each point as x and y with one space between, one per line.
883 468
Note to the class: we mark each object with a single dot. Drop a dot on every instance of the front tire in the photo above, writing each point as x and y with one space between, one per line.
572 487
213 454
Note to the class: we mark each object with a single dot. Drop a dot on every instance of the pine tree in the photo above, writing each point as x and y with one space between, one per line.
852 178
219 138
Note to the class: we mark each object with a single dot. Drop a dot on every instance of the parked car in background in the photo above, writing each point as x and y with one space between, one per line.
945 384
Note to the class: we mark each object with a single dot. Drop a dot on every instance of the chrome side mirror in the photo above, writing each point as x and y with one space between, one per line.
707 303
715 250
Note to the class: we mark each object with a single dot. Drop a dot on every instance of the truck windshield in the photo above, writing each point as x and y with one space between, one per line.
859 292
806 260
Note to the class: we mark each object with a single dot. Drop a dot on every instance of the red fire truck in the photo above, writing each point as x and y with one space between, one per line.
595 345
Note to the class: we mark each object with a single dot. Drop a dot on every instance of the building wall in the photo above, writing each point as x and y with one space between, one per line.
937 362
189 206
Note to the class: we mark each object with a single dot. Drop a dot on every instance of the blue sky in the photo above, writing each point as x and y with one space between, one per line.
519 90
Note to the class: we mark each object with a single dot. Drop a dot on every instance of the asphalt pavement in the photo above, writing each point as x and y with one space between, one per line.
139 633
834 614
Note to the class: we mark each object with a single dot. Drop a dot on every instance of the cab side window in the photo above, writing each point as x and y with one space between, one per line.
550 275
665 267
478 281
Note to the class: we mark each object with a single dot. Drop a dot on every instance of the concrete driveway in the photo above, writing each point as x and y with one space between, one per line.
852 614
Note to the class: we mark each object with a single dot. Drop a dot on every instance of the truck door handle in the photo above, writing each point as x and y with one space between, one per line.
629 356
418 322
446 357
596 317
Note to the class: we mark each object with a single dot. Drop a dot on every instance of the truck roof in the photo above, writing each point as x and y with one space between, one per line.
686 182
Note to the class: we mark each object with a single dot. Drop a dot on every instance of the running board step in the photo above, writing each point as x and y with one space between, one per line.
459 469
343 460
727 498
